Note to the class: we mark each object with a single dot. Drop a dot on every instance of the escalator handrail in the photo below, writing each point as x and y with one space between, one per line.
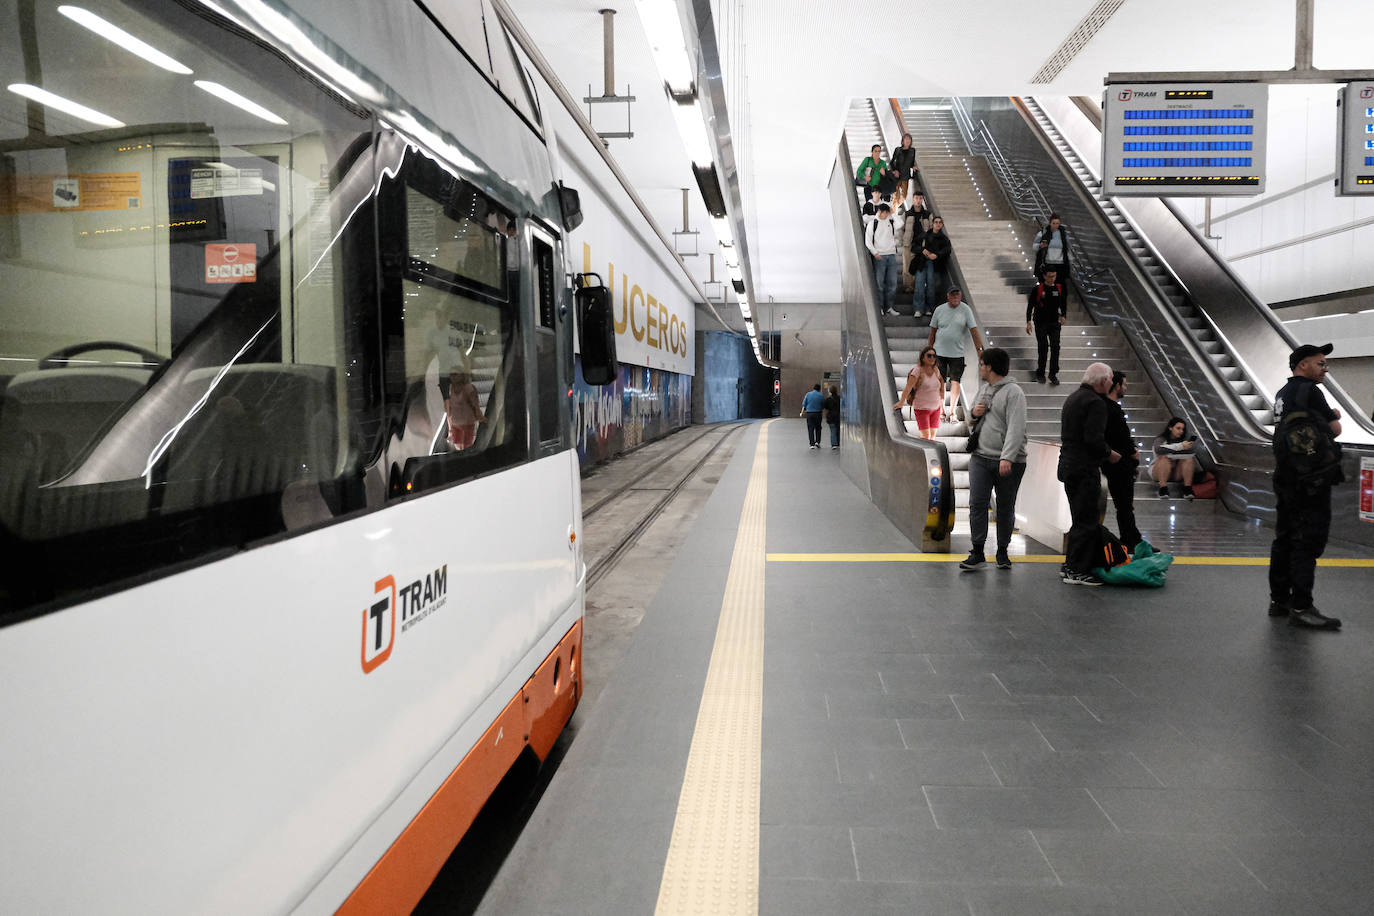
883 359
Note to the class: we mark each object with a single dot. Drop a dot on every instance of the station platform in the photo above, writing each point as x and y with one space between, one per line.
811 719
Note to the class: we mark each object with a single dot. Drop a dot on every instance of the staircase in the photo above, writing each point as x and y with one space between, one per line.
1193 318
994 252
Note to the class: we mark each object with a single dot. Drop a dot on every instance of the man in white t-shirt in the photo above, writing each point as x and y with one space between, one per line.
948 324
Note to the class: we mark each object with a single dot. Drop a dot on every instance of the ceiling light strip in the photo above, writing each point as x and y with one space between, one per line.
63 104
1077 40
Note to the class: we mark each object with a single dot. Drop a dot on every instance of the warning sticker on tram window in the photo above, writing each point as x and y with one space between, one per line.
231 263
48 193
225 181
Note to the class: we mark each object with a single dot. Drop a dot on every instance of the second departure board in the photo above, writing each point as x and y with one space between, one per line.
1355 139
1184 139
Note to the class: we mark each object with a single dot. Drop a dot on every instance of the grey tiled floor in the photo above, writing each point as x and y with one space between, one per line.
997 742
983 743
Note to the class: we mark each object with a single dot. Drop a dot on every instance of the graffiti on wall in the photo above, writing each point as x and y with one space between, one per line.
641 405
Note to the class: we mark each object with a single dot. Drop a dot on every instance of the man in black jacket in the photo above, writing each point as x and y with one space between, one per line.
1303 518
1121 476
934 249
1046 308
1083 449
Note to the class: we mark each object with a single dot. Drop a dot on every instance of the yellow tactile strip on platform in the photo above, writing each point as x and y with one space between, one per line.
713 859
1042 558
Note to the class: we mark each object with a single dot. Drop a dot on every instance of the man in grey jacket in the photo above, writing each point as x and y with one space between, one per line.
998 461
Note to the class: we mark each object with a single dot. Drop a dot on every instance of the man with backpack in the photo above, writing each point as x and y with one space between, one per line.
881 238
1307 465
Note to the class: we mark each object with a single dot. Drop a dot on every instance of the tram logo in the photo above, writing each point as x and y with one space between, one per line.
411 603
1367 92
1124 95
379 625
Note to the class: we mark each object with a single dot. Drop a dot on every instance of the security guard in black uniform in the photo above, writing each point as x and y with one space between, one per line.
1304 508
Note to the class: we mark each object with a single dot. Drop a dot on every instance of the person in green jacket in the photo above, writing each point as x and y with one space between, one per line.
871 169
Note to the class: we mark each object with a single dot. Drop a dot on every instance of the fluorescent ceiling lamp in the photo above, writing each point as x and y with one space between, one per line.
663 27
744 310
736 273
75 109
111 32
749 326
233 98
723 233
693 131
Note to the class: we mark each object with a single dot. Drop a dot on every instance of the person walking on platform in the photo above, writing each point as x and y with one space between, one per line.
832 416
1046 308
881 238
812 404
947 328
1121 476
998 461
1303 520
1083 449
1052 250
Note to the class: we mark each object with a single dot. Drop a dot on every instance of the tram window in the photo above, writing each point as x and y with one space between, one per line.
463 398
546 340
185 338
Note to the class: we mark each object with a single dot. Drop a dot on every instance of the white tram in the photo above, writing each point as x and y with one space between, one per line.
288 506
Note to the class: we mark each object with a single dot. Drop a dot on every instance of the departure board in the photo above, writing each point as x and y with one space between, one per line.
1355 141
1184 139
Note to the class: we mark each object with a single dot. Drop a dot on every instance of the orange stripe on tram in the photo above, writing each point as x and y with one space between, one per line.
534 718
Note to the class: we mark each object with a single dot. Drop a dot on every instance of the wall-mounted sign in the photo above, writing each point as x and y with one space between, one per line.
231 263
1355 139
1184 139
39 193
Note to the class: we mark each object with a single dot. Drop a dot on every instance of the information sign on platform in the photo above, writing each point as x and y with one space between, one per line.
1184 139
1355 139
1367 489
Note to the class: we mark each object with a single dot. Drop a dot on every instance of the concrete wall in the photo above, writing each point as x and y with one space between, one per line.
805 357
729 382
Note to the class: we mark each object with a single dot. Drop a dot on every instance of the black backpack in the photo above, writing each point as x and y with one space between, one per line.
1305 451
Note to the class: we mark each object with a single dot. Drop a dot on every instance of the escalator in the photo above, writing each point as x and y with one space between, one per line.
907 478
1214 352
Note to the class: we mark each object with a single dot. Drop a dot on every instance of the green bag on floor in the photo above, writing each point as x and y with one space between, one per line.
1147 568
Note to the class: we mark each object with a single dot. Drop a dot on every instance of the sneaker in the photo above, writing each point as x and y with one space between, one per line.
1081 578
975 560
1064 570
1313 619
1054 380
834 448
1163 492
1039 377
813 445
1187 492
1278 609
1003 561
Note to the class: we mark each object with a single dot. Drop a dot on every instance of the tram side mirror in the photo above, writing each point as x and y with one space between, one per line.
596 331
570 203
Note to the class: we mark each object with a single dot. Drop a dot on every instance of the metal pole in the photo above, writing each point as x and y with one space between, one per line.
685 227
1302 36
711 255
1207 219
608 34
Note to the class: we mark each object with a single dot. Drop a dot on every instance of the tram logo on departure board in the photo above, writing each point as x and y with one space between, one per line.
1184 140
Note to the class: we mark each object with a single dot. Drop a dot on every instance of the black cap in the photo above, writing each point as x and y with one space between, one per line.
1306 350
